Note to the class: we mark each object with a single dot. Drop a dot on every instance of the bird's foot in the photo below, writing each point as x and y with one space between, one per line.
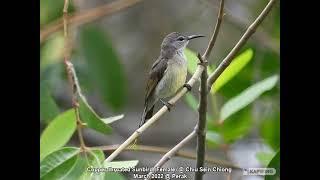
169 106
133 145
186 85
204 63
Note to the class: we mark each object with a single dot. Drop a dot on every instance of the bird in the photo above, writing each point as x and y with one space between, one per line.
168 73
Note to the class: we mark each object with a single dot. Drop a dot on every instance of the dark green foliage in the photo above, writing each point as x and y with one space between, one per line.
104 66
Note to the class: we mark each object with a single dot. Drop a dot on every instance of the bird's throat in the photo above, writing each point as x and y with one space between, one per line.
180 52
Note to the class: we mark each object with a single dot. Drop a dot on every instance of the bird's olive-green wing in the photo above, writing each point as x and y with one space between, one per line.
155 75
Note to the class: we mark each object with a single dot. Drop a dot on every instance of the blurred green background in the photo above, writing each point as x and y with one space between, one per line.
113 55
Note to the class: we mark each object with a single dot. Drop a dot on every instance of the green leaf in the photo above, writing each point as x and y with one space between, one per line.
270 130
58 162
193 61
264 157
51 51
112 119
57 133
236 127
92 120
233 69
62 170
48 107
214 138
239 82
270 62
77 170
83 74
104 66
114 176
88 115
95 159
193 103
51 10
120 164
247 96
274 163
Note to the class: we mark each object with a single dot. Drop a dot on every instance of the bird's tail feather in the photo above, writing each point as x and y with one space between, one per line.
147 114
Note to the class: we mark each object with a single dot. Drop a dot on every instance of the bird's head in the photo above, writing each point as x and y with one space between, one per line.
177 41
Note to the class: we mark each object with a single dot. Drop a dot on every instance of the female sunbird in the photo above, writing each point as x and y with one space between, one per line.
168 73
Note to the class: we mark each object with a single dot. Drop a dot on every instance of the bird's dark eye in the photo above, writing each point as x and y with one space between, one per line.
181 38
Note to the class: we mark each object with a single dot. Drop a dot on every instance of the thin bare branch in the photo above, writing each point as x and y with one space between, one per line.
172 152
87 16
201 128
71 75
163 150
215 32
261 37
203 102
228 59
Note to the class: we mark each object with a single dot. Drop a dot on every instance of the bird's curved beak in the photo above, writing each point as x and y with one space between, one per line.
195 36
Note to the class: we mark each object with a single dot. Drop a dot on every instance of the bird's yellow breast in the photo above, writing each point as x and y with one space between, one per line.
173 78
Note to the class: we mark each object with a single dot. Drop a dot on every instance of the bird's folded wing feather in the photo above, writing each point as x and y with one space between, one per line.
155 75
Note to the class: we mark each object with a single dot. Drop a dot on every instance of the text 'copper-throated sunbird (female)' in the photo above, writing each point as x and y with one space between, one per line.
168 73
